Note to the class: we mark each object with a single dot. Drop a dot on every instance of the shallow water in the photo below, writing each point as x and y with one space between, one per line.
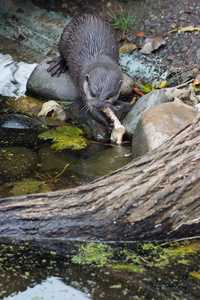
97 271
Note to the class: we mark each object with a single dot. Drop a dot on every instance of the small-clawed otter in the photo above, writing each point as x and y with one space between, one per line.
89 49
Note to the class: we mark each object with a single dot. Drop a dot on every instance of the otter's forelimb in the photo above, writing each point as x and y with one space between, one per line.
58 65
102 118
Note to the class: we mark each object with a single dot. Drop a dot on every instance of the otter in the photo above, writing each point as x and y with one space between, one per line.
89 50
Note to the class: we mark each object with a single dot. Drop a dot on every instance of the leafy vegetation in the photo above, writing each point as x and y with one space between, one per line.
148 254
124 21
65 137
97 253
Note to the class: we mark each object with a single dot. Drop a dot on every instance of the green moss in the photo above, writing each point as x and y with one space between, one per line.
132 268
116 286
97 253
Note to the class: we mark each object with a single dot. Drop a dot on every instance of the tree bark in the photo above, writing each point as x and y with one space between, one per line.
155 197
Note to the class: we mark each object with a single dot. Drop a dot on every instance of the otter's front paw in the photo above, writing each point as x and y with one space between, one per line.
58 65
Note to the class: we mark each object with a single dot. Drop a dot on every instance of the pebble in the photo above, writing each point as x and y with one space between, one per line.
183 17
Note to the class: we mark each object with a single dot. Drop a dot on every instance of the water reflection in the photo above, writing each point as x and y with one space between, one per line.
13 75
51 288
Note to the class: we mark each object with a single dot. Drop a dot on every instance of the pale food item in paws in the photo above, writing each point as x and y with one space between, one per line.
118 129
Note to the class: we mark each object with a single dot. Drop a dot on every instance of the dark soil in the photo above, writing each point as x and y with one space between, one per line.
154 18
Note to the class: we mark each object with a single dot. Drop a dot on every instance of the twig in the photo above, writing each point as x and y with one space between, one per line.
180 240
191 68
146 261
184 84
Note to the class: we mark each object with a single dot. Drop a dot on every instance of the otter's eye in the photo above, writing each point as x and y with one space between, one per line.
92 94
109 97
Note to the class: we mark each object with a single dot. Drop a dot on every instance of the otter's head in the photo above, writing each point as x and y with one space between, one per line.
102 86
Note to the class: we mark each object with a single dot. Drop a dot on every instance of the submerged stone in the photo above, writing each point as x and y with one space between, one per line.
16 162
103 163
20 130
24 105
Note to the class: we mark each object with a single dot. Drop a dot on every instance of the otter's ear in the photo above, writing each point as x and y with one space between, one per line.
87 77
120 82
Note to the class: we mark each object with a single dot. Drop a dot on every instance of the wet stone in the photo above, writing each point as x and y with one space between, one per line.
20 130
183 17
144 103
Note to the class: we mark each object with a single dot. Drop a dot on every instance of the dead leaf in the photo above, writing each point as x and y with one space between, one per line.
151 44
196 83
134 99
53 110
126 48
140 34
49 52
161 84
189 28
124 38
182 94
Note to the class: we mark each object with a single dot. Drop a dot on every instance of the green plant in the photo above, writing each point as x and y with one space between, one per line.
124 21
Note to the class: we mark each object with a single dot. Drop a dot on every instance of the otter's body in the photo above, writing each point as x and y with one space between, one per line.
89 48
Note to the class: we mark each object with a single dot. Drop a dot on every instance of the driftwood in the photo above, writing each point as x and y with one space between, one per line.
155 197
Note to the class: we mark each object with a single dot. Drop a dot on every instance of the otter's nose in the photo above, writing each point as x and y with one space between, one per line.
99 105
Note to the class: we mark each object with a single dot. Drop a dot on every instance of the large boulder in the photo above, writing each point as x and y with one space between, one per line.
41 84
158 123
144 103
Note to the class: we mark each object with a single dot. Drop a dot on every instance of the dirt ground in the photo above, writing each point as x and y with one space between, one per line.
153 18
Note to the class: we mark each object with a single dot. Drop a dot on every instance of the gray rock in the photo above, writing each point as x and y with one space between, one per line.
127 85
144 103
34 27
142 68
42 84
158 123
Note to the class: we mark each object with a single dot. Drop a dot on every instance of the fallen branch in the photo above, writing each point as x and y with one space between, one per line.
155 197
